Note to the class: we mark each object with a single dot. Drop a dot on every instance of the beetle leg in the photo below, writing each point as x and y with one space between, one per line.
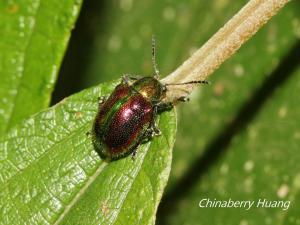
183 99
158 108
149 133
153 126
133 155
163 106
101 100
126 78
155 130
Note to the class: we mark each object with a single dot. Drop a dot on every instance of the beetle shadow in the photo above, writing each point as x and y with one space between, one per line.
92 18
219 145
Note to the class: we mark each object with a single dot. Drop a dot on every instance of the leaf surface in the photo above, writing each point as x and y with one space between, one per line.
34 35
50 173
219 160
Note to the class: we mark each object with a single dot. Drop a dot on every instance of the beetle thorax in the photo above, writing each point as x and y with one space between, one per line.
147 92
149 87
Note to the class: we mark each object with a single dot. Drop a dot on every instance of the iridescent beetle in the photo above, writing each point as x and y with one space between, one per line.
126 118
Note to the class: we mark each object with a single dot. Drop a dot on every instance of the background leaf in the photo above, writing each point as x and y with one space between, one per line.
34 35
49 172
117 36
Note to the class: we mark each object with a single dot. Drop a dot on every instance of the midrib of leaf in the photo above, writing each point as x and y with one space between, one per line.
138 170
91 180
137 174
94 177
11 113
80 193
42 177
126 194
156 193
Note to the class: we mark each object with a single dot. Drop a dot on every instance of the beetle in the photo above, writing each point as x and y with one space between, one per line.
126 118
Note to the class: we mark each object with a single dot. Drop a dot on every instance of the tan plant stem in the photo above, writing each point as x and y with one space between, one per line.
222 45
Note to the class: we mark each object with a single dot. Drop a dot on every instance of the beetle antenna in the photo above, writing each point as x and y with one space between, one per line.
154 58
192 82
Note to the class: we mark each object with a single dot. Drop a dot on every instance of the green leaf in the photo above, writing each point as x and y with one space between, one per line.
50 173
207 162
34 35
